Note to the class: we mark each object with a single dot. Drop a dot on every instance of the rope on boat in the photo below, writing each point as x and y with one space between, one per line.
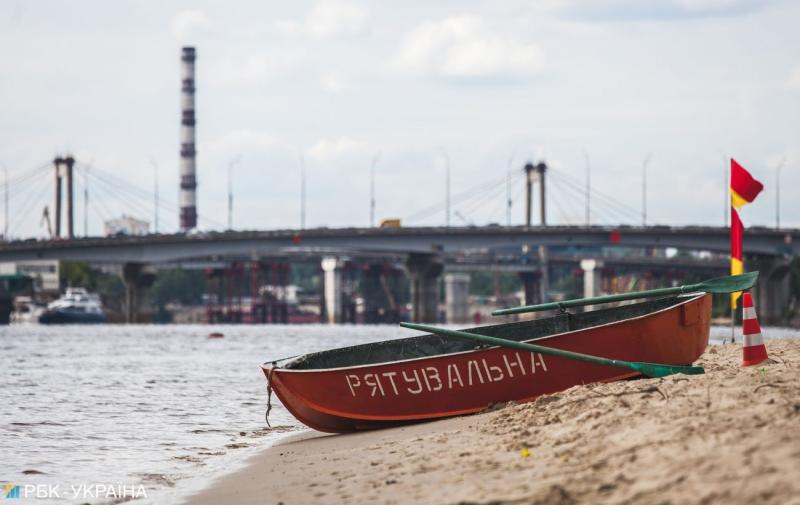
269 393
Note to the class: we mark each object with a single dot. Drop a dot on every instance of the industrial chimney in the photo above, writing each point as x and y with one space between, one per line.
188 197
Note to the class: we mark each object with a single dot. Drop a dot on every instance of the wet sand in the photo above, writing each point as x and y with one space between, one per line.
729 436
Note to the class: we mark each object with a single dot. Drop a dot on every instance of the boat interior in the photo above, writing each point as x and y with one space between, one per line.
434 345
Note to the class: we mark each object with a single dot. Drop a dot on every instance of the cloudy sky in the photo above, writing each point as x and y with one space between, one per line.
677 86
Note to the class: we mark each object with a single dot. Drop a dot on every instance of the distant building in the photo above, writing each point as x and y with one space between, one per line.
126 225
43 272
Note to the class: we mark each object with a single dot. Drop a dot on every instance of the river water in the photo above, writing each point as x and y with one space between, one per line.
164 407
159 409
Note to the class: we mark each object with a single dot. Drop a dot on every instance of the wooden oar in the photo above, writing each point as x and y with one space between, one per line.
648 369
728 284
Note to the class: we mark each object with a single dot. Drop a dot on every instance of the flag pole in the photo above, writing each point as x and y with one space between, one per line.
733 307
743 189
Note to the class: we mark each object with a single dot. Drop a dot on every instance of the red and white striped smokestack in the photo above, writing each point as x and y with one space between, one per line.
188 197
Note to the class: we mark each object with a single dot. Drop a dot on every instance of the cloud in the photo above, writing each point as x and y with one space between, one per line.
793 82
287 27
255 66
327 18
333 82
462 46
333 17
244 140
655 10
190 23
333 149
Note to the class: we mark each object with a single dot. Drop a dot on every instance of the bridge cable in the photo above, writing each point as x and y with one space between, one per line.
612 203
119 195
135 191
36 195
492 195
121 192
580 193
477 190
15 191
577 202
457 198
481 200
565 218
515 185
96 206
602 214
33 173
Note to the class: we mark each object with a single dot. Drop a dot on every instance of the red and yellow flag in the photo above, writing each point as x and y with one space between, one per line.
744 189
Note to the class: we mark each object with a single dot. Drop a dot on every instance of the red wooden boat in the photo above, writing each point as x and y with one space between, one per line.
425 377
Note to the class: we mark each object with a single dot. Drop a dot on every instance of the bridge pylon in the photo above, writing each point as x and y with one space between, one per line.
535 173
63 170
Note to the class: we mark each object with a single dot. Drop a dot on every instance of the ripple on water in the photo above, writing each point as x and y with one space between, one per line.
37 423
135 397
159 479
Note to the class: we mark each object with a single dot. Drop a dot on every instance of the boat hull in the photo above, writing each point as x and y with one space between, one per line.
62 317
372 396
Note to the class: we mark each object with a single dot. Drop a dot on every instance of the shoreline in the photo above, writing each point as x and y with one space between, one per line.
729 436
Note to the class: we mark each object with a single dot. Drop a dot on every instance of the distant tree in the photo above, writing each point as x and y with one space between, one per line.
306 276
794 279
111 290
178 286
482 283
77 274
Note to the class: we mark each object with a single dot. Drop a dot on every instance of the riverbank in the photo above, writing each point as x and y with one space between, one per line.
729 436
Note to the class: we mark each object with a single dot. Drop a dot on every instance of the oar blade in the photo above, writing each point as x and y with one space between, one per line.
729 284
656 370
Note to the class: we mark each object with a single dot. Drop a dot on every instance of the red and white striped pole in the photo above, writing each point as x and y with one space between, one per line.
753 350
188 191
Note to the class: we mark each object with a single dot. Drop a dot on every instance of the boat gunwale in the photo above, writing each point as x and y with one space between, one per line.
270 365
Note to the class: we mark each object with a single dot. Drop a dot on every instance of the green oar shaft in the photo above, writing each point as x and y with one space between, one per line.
728 284
522 346
647 369
634 295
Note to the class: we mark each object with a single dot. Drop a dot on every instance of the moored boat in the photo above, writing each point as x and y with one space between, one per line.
76 306
426 377
26 310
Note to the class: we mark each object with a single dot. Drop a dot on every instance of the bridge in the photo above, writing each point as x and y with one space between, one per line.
422 253
151 249
428 251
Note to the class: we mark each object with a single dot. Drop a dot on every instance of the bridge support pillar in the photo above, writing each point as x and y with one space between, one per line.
137 278
424 270
530 286
338 285
379 290
332 289
456 296
278 281
772 292
592 277
544 261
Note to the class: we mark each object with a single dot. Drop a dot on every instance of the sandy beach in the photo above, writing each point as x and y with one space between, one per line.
729 436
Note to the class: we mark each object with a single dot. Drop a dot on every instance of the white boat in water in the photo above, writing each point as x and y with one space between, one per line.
26 310
76 306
